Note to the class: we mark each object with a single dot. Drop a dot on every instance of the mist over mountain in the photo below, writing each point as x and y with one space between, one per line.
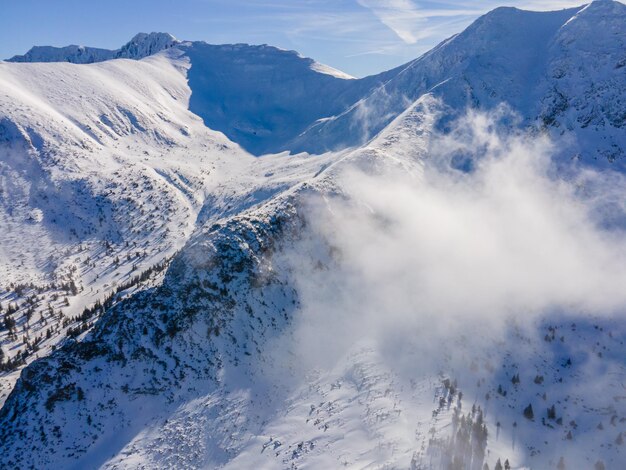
232 256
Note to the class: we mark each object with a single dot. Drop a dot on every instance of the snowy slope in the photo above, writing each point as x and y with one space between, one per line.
105 171
219 347
186 375
261 97
86 199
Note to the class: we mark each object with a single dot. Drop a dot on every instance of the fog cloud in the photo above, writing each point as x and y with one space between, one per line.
487 233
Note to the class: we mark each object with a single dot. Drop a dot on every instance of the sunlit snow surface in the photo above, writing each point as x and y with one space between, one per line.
449 252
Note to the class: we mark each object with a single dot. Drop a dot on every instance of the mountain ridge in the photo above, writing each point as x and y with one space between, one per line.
140 46
157 325
348 113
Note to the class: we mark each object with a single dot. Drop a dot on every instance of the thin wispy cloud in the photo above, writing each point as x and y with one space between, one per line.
413 21
401 16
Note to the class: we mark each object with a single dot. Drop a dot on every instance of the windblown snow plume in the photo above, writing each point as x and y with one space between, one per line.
435 269
500 238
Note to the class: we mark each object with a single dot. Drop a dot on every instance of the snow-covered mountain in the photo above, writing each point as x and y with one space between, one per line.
541 64
142 45
553 80
107 172
178 266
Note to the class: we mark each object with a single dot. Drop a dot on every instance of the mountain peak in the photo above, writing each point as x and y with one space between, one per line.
153 36
72 53
140 46
145 44
605 6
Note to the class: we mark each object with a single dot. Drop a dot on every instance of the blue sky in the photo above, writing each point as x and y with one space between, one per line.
360 37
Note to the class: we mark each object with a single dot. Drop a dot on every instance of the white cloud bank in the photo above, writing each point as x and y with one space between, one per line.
455 249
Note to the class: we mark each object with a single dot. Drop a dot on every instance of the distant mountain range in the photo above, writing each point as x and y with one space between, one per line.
146 204
142 45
